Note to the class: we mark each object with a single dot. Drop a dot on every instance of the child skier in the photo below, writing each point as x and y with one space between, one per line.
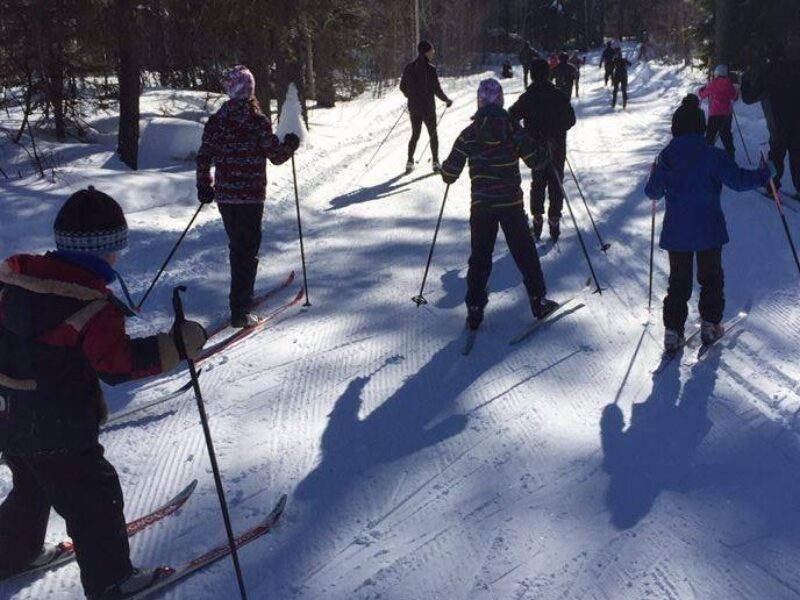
238 140
493 149
619 77
61 330
721 94
690 174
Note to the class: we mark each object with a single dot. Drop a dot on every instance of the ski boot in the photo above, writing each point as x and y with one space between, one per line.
541 306
538 225
138 581
49 553
711 332
244 321
554 224
673 341
409 166
474 317
437 167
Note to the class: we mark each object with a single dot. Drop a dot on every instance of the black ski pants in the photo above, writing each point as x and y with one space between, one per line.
620 83
243 226
484 223
609 69
85 491
720 125
418 117
711 280
544 180
779 147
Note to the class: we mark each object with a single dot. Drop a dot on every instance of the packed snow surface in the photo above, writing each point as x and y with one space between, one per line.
413 472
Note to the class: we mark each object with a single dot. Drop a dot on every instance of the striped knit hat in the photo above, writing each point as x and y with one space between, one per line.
91 222
240 83
490 92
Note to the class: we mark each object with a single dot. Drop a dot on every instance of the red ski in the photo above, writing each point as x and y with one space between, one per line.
64 552
169 576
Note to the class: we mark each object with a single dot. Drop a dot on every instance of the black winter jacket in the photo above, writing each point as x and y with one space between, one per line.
493 148
564 76
778 89
420 83
545 111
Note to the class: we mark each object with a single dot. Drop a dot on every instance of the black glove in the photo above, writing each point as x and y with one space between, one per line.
291 141
448 103
205 194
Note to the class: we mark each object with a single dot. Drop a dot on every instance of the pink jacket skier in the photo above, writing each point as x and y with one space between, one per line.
721 94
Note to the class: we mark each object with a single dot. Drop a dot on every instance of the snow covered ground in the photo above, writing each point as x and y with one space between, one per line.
414 472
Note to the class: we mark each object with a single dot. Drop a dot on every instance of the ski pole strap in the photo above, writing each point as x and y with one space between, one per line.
126 293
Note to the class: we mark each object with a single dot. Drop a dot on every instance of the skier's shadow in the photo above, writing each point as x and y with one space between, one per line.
385 189
656 451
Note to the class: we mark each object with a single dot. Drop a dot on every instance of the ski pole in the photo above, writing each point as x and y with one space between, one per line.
652 251
169 258
598 289
369 162
300 232
177 305
428 143
744 144
420 299
777 196
603 246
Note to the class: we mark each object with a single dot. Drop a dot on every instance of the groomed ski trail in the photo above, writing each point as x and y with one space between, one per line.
415 472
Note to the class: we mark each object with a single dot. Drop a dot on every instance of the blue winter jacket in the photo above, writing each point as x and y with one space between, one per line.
691 174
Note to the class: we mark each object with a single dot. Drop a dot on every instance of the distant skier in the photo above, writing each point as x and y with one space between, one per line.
507 72
61 331
238 140
619 77
564 75
547 115
493 147
607 62
690 173
647 51
577 61
552 62
721 94
420 83
526 56
777 87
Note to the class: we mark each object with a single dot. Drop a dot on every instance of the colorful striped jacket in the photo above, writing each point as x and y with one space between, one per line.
237 140
493 148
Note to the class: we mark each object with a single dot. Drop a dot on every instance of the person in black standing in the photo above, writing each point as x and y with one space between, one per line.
564 75
526 55
420 83
547 115
619 78
777 87
607 62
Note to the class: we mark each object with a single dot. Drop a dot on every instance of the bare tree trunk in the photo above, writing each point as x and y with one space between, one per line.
311 84
721 31
128 140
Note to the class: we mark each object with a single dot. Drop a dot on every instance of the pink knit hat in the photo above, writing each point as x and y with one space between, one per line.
490 92
240 83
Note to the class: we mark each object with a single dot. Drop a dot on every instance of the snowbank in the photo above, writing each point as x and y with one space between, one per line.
167 141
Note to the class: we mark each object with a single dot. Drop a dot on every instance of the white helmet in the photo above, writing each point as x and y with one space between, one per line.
721 71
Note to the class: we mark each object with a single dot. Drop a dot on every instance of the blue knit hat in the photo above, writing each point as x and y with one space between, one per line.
91 222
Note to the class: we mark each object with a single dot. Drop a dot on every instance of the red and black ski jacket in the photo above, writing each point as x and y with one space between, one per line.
238 140
61 331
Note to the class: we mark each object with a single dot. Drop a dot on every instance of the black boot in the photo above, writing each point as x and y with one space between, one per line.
542 306
554 223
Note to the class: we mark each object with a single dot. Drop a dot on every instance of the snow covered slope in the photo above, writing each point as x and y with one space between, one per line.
413 472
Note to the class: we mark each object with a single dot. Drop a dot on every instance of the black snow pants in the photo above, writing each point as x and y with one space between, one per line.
621 82
418 117
711 280
779 147
484 224
609 69
544 180
85 491
243 226
720 125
